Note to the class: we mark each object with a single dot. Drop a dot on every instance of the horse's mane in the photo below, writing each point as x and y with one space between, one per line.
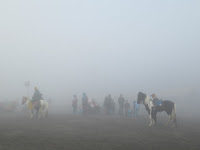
141 95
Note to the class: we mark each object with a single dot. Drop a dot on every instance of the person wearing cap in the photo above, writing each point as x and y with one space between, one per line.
156 101
75 104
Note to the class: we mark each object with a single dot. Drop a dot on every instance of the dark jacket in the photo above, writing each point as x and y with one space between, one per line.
37 96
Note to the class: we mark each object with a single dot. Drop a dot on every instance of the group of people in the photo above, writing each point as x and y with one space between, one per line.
108 105
125 107
87 106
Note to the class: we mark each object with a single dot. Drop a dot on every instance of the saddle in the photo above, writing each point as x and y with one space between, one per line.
157 102
30 105
34 105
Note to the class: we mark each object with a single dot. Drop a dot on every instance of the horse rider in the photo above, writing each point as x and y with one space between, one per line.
126 107
75 104
37 96
156 101
121 101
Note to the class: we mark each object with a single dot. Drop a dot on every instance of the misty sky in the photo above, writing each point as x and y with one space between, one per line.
107 46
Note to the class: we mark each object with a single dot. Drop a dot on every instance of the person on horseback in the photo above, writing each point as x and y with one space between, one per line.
35 101
156 101
37 96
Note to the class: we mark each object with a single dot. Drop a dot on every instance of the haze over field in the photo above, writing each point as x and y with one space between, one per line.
100 47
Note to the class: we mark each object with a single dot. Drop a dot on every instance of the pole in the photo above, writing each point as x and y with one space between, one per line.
27 85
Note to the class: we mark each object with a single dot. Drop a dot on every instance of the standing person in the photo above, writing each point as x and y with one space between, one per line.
126 107
121 101
136 108
85 104
75 104
108 104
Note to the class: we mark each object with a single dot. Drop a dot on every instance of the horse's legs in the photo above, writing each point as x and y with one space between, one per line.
174 123
37 110
174 119
43 112
46 113
31 113
153 120
170 118
154 113
150 120
39 113
152 117
174 116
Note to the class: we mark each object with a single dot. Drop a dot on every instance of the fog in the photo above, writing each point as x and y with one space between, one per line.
100 47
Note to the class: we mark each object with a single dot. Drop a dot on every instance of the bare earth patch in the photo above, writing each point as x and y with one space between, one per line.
95 132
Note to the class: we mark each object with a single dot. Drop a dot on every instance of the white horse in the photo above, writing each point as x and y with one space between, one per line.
167 106
40 106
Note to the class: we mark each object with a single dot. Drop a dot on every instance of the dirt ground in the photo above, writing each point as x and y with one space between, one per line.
95 132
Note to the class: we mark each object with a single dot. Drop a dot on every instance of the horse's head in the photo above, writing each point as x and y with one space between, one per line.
24 99
141 97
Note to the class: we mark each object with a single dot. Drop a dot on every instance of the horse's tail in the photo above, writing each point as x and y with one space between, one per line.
47 113
174 115
47 108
